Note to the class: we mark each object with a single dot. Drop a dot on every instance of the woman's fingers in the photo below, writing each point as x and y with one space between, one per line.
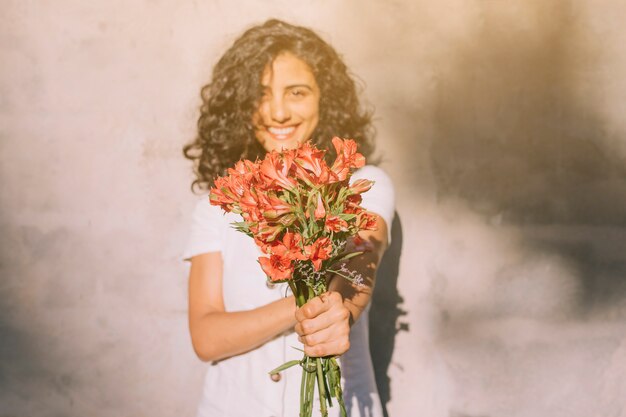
320 313
335 331
334 348
325 319
313 308
323 325
334 340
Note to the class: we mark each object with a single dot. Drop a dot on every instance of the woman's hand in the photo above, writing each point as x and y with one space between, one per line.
323 325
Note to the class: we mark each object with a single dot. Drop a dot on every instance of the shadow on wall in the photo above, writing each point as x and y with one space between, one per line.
512 135
17 357
52 358
385 313
517 141
20 349
26 374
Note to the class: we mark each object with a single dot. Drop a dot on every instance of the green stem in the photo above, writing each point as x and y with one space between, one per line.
341 274
311 390
327 374
321 386
302 393
299 290
334 367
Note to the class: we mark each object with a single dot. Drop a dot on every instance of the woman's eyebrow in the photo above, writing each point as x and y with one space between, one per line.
265 86
268 89
298 86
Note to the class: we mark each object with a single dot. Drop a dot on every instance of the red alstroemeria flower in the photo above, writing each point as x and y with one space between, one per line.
320 211
347 157
263 245
289 247
249 198
310 164
246 169
361 186
282 252
220 197
287 219
221 193
303 174
275 170
249 204
275 207
319 251
267 232
276 267
366 221
352 204
236 185
336 224
348 148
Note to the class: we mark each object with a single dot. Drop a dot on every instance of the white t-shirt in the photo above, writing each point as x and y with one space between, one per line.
240 386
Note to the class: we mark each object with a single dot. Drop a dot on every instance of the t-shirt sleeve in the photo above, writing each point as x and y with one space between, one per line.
205 234
379 199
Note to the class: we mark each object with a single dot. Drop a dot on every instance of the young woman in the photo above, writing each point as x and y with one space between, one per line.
278 86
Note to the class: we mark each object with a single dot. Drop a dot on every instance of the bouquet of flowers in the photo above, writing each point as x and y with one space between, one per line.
301 212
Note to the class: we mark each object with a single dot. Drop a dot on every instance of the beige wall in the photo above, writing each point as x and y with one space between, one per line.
502 126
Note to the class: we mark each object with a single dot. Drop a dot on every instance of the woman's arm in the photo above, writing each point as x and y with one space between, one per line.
217 334
324 322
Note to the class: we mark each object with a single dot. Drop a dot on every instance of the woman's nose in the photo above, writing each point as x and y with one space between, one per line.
279 110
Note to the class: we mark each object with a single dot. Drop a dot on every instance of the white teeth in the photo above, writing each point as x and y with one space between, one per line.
281 131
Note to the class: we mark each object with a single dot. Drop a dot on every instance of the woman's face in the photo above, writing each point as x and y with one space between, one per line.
289 109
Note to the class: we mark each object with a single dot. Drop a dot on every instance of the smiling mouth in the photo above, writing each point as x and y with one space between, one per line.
281 133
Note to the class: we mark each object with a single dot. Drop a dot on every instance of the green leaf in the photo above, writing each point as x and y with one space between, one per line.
284 366
347 216
241 225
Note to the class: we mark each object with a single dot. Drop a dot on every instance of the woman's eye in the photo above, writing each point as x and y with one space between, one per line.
298 93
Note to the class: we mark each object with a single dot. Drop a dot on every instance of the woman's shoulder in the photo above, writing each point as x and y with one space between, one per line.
373 173
207 224
205 211
379 199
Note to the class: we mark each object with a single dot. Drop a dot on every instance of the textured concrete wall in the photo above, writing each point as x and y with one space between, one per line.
504 293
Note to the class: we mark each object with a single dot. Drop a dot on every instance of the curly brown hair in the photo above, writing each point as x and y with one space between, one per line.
225 129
